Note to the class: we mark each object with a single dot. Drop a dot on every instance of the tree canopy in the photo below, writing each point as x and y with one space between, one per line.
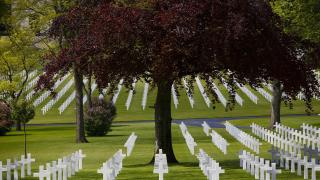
301 19
171 39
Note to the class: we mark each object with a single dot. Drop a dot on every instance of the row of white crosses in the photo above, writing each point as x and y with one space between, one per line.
276 139
46 94
69 100
174 96
203 92
31 75
116 95
145 95
31 83
237 97
210 168
130 143
297 136
53 101
221 98
258 167
291 153
300 96
245 90
246 139
63 168
160 164
188 138
24 164
93 88
112 167
265 94
129 99
190 97
292 160
310 131
216 138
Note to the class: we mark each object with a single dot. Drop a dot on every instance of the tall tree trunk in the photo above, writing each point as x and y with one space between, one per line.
25 139
78 79
163 121
276 103
89 95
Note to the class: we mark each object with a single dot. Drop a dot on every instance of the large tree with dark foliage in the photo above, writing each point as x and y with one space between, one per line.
167 40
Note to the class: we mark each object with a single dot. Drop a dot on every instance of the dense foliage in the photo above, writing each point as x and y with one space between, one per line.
5 120
23 112
173 39
301 19
98 118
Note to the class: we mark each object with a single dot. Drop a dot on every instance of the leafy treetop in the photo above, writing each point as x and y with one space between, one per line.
170 39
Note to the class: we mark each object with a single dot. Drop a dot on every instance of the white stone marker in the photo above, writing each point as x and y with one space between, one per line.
214 171
13 167
206 128
130 143
62 170
43 173
107 171
2 169
160 164
81 156
26 161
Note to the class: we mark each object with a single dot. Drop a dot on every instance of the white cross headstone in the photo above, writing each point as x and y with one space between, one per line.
43 173
62 170
2 169
206 128
214 171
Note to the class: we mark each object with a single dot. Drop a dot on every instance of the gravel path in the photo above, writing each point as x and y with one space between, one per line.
212 122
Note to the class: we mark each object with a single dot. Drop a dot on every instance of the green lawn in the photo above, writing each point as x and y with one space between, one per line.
50 143
184 110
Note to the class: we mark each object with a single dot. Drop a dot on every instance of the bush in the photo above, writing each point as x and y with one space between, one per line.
5 121
98 119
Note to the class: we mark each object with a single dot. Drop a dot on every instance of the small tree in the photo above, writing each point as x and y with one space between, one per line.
23 113
99 117
5 120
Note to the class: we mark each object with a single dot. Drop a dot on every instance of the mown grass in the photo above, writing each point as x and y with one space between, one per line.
50 143
184 110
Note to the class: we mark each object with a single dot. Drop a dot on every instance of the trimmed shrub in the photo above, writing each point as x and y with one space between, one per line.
98 119
5 121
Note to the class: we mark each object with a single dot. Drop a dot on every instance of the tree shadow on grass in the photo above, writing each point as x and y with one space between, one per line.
105 136
230 164
186 164
137 165
13 135
118 125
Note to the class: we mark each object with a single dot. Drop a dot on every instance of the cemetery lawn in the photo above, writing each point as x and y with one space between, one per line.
49 143
184 110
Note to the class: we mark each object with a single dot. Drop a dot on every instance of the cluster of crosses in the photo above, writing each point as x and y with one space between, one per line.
62 169
112 167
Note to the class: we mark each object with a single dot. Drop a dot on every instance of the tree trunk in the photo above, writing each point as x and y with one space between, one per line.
163 121
89 95
78 79
276 103
18 125
25 139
